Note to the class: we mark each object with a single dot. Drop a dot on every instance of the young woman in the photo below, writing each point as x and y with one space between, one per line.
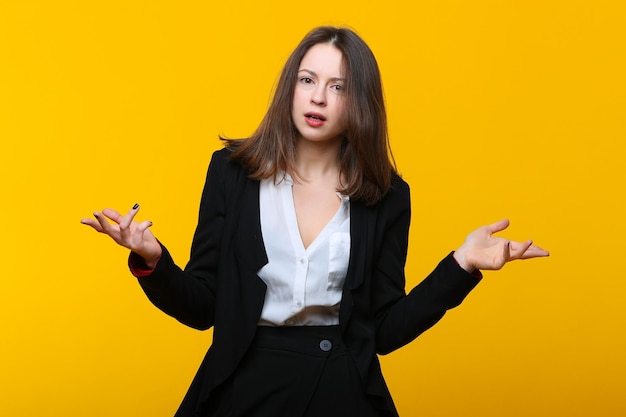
298 258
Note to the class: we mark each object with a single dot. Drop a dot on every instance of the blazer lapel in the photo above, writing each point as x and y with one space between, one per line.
359 229
250 247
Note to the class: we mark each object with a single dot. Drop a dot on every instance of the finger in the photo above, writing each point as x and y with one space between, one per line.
519 249
112 214
126 220
143 226
102 221
506 251
92 223
542 252
535 252
497 227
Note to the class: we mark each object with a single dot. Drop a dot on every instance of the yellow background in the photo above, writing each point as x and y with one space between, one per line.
497 109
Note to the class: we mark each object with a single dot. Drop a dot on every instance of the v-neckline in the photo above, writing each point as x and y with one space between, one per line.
292 219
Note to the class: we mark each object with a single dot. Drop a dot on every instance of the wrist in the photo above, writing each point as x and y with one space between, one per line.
151 257
460 256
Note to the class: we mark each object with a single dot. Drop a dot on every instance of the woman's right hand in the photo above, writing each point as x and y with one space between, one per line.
128 233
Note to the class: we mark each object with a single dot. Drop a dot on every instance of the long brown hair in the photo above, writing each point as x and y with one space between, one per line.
366 161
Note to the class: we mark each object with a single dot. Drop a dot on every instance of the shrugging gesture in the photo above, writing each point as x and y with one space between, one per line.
299 253
127 233
482 250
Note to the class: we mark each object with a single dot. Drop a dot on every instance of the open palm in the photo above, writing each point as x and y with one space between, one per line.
482 250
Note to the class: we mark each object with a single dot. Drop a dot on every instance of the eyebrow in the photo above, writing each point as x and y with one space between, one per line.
315 74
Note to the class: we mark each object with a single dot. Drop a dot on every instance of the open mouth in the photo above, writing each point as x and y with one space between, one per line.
315 116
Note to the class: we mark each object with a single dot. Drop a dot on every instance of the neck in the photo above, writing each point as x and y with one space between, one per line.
316 160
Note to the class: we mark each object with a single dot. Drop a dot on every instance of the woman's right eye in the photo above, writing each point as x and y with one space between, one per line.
306 80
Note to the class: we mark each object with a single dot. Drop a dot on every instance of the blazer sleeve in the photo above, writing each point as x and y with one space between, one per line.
189 295
401 317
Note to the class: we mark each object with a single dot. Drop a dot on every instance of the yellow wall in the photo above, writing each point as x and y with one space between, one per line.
497 109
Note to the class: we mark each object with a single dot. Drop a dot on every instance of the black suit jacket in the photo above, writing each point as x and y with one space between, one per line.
219 286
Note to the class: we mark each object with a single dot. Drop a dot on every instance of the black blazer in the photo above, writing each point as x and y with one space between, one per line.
219 286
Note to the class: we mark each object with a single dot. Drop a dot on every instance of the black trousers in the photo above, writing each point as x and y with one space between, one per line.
294 372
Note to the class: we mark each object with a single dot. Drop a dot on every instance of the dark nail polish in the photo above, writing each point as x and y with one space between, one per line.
136 206
95 215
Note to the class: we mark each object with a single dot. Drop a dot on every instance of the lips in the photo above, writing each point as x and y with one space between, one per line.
314 119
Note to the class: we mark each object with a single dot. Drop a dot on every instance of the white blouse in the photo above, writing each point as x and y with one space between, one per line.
304 285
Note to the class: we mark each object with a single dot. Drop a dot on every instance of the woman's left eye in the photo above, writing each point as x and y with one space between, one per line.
337 87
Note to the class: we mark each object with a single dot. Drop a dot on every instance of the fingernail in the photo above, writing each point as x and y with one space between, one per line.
95 215
82 222
136 206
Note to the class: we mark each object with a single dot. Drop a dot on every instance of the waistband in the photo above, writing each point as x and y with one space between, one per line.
314 340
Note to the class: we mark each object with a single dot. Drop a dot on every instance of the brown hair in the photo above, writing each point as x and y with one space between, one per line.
366 161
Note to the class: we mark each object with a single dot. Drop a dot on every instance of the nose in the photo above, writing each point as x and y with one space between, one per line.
318 96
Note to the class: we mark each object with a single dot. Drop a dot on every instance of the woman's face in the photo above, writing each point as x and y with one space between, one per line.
318 100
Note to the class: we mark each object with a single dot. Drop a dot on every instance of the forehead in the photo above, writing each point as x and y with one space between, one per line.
323 58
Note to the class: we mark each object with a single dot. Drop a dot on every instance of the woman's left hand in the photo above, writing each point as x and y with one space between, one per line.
482 250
